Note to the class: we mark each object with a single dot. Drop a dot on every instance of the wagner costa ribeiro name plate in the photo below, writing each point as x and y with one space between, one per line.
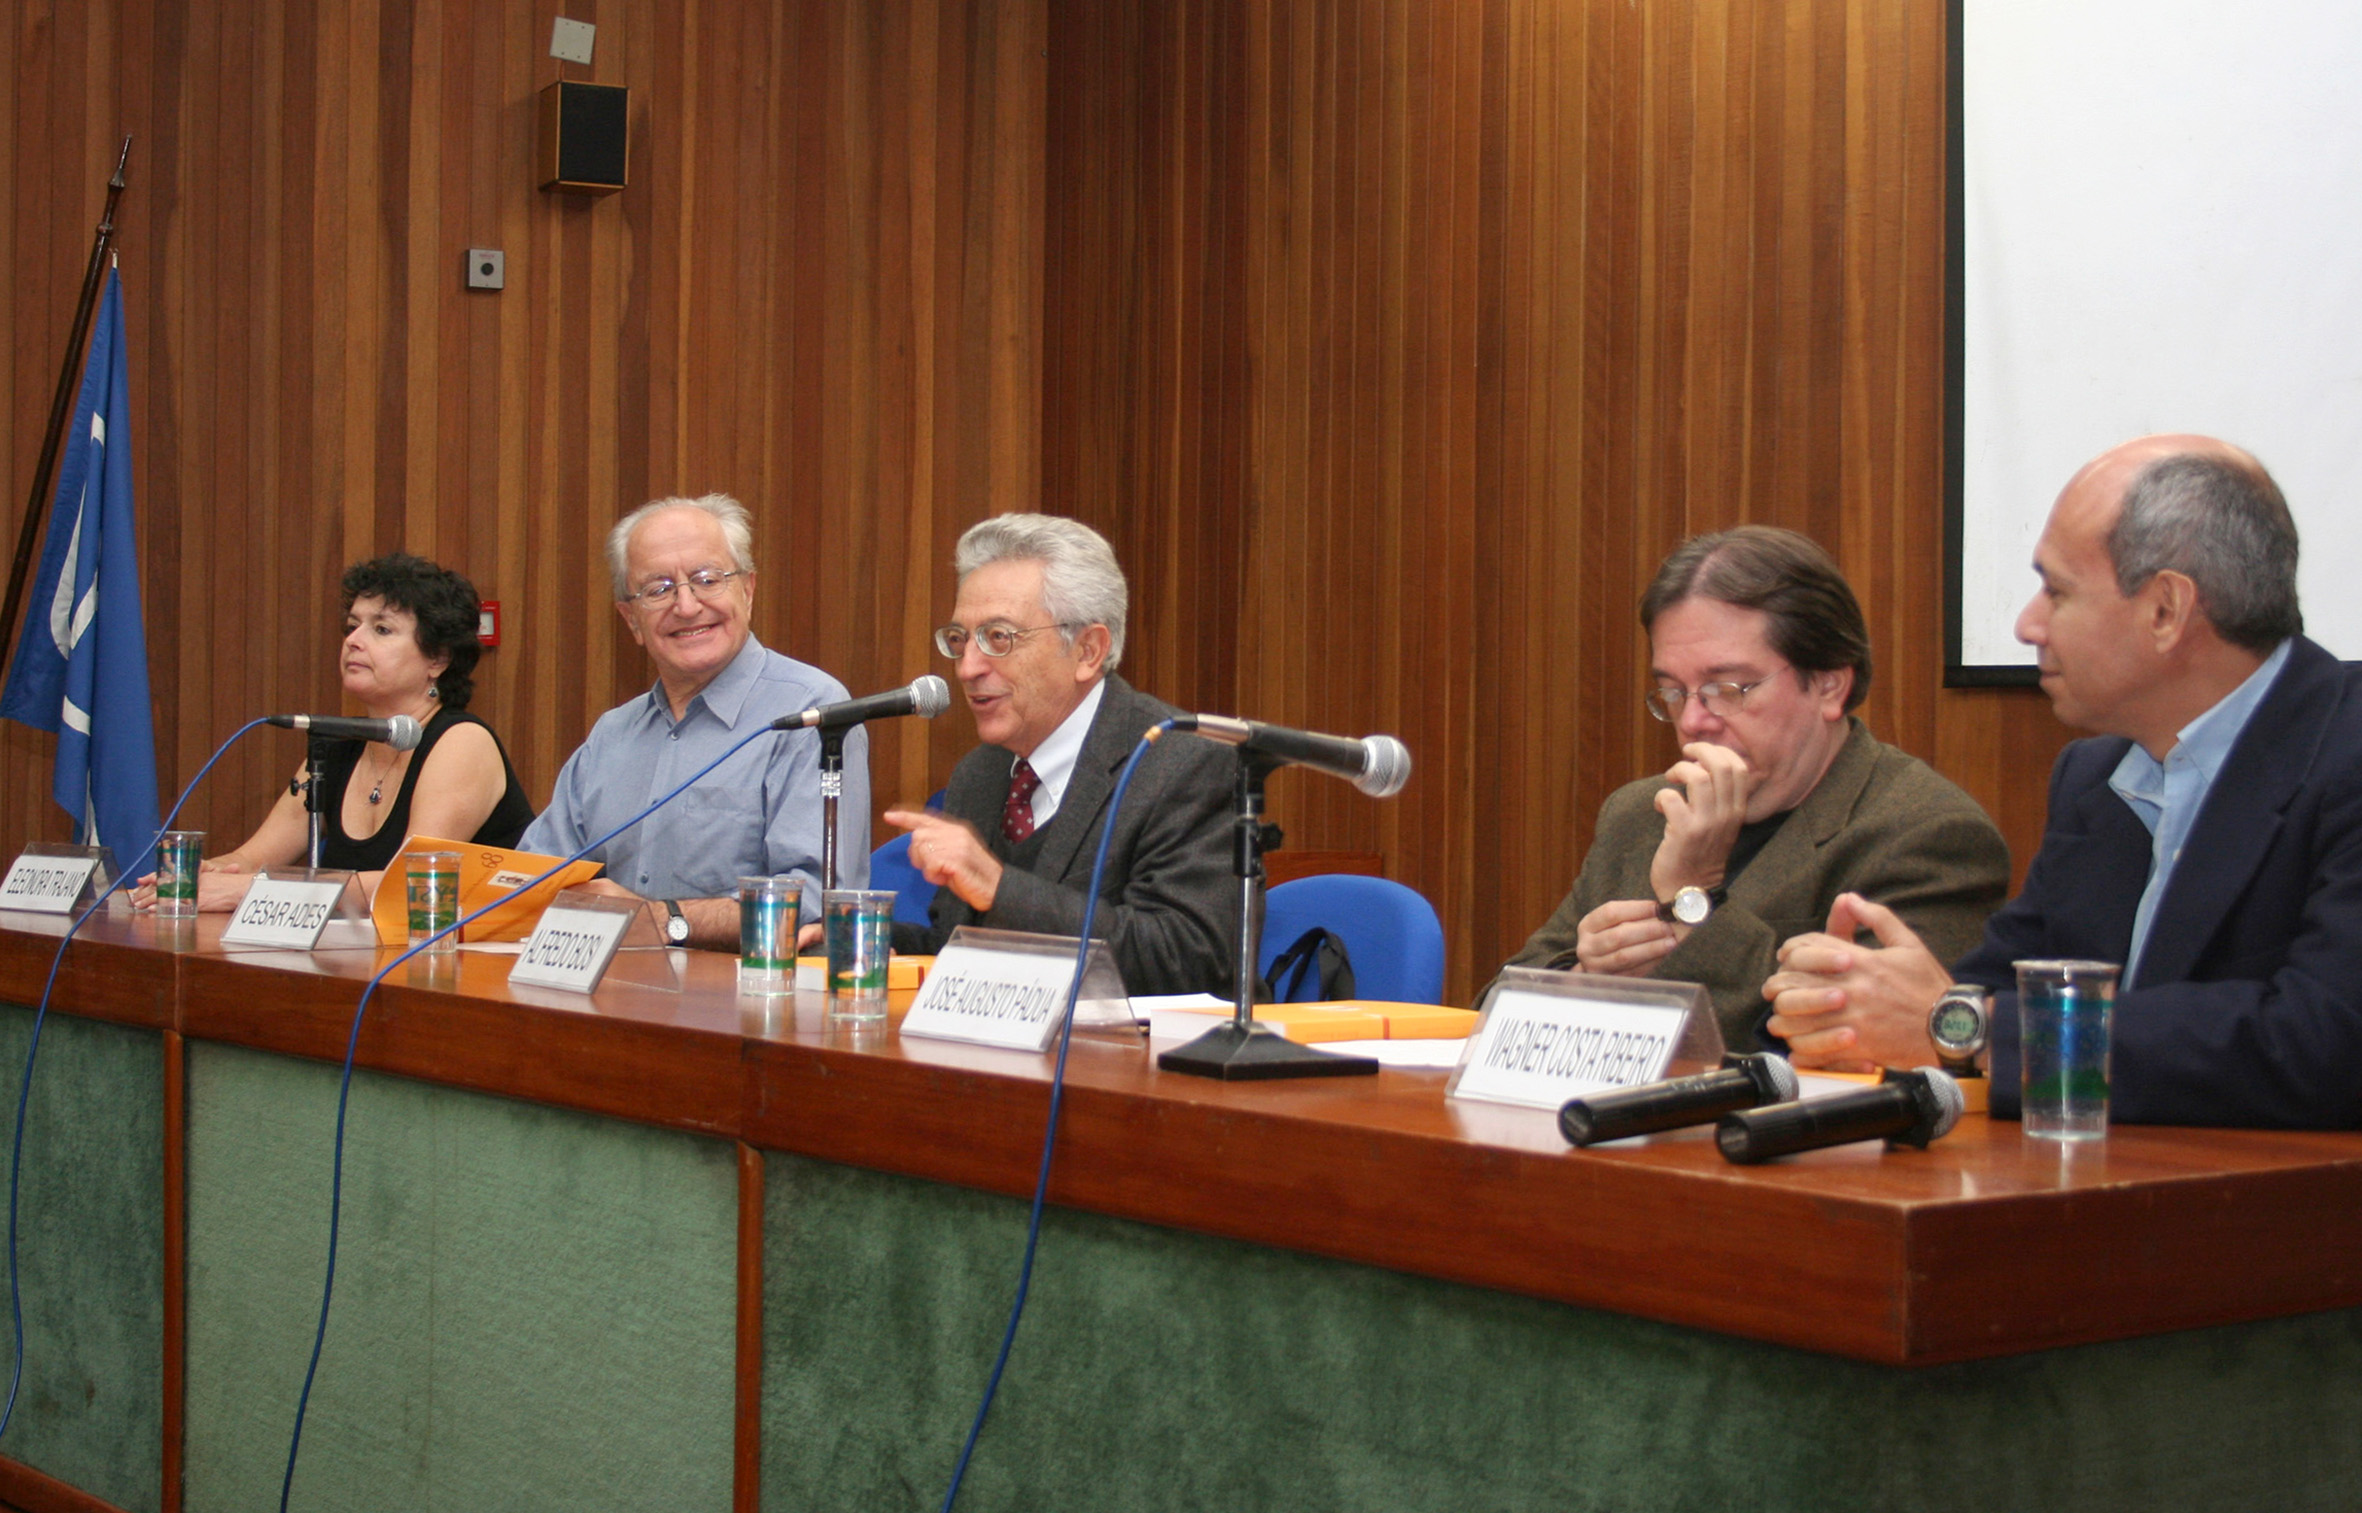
1008 988
1546 1037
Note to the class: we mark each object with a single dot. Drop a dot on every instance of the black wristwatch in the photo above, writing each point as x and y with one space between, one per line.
1961 1025
676 924
1690 905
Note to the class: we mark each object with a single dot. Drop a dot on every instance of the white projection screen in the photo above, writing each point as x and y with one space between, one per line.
2159 226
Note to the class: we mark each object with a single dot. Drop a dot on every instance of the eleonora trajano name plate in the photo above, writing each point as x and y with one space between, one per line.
51 879
1546 1037
1008 988
574 940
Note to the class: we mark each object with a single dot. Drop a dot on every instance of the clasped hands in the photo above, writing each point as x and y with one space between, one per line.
1703 809
1847 1007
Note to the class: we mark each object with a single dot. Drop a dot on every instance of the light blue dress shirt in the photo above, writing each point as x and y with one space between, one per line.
757 814
2167 795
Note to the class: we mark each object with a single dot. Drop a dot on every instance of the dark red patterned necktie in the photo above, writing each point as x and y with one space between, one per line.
1017 814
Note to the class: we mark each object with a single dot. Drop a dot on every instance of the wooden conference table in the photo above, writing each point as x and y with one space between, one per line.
688 1250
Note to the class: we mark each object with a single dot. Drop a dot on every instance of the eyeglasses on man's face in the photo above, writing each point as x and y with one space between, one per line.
706 583
1721 700
994 638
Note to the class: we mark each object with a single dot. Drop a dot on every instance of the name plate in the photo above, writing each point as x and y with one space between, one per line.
285 911
1008 988
1546 1037
575 939
51 879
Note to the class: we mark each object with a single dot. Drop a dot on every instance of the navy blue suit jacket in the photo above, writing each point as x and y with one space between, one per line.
2248 1009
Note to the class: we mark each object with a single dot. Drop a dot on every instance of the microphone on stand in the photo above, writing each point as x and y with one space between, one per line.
1909 1108
401 732
927 698
1376 764
1741 1082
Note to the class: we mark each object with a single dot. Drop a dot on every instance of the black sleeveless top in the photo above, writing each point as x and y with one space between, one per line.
338 759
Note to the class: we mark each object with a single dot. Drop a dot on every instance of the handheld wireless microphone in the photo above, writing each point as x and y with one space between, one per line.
1741 1082
1907 1108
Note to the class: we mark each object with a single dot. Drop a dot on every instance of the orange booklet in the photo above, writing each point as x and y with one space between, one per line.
485 873
1311 1023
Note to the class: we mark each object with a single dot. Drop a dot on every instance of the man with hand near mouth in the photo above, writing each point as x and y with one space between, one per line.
1782 798
683 576
1036 633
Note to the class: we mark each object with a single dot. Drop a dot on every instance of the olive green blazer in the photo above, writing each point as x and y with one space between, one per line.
1880 823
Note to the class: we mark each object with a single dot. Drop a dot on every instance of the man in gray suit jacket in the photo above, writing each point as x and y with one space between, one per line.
1781 801
1037 631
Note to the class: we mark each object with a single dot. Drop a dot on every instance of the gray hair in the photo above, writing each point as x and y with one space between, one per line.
2221 523
738 529
1081 584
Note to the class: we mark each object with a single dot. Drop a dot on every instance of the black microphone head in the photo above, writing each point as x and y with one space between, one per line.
402 733
1386 766
1940 1100
929 697
1775 1079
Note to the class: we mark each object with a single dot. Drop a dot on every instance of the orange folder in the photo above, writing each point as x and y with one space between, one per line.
1311 1023
485 873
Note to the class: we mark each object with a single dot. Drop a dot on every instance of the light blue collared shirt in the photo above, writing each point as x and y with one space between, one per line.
756 815
2167 795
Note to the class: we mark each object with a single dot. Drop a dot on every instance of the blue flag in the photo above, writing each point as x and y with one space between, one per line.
81 664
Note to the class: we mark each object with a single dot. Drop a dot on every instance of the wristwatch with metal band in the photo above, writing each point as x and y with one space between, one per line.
1961 1024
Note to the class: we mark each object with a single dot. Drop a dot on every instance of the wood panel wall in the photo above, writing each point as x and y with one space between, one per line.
1399 341
820 293
1393 342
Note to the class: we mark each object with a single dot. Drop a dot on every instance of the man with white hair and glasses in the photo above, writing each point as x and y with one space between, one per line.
683 575
1036 634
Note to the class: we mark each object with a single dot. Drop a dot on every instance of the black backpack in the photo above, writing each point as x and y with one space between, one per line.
1317 951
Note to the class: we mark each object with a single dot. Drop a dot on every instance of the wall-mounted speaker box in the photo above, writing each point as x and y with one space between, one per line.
585 137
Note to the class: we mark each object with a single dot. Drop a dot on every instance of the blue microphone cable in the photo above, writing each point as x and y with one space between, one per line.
24 1091
344 1086
1041 1184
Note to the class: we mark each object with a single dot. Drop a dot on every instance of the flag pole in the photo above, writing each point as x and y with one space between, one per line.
69 380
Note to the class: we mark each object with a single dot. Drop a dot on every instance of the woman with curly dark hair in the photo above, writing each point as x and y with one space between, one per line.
409 647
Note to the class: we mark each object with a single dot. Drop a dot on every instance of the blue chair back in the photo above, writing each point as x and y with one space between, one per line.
889 867
1391 933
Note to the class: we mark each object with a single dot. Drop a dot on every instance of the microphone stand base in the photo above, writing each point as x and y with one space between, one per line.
1255 1053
